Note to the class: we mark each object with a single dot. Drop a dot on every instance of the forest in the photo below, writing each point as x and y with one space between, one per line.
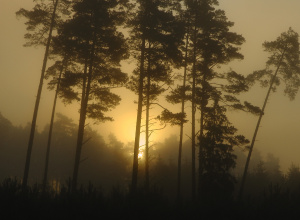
180 50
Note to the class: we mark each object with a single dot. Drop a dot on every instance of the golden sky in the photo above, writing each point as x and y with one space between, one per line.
256 20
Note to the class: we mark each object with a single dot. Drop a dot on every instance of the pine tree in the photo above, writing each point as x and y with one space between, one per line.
156 35
211 44
283 63
41 20
217 158
97 49
57 67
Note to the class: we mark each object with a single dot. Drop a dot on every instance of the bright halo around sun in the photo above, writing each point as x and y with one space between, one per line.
140 155
142 145
142 140
127 127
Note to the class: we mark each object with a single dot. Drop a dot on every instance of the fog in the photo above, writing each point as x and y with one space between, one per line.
111 143
107 164
257 21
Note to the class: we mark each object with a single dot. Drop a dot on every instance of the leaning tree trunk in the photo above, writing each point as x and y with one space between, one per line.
256 130
51 128
37 102
134 179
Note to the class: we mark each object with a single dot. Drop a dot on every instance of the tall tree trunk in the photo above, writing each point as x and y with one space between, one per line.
194 120
147 135
256 130
83 111
37 102
203 104
182 123
51 128
134 179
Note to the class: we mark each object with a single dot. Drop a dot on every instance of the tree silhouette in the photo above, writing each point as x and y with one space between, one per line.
211 45
41 19
284 62
155 35
293 178
217 158
97 49
179 95
57 71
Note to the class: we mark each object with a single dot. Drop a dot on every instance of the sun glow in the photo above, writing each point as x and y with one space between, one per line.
142 140
140 155
127 126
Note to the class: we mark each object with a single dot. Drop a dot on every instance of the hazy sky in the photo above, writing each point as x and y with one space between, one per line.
256 20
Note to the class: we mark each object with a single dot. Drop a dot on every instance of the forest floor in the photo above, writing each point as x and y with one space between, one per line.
90 203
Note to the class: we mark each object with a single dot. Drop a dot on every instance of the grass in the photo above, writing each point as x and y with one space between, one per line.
90 203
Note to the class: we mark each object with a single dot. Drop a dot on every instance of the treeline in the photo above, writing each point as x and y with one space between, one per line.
111 162
85 39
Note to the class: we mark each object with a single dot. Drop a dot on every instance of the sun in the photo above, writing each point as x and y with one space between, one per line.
140 155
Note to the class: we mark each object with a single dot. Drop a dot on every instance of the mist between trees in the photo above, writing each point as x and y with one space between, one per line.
178 49
111 161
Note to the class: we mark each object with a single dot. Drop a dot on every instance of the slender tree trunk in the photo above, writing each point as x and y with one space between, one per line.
181 123
194 120
193 141
82 118
147 135
201 133
83 111
50 129
256 130
200 148
134 179
37 102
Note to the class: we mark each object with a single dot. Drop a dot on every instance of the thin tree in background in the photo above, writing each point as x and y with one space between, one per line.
179 96
285 59
161 57
154 34
182 94
59 50
138 38
37 18
60 66
182 121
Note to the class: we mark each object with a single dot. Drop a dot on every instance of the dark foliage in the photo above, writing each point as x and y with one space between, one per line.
89 203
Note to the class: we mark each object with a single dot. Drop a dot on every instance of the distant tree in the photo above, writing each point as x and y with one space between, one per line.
217 156
57 71
97 49
42 19
61 52
273 166
293 178
283 64
259 179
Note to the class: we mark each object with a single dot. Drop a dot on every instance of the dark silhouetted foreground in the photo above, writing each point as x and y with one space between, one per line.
88 203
